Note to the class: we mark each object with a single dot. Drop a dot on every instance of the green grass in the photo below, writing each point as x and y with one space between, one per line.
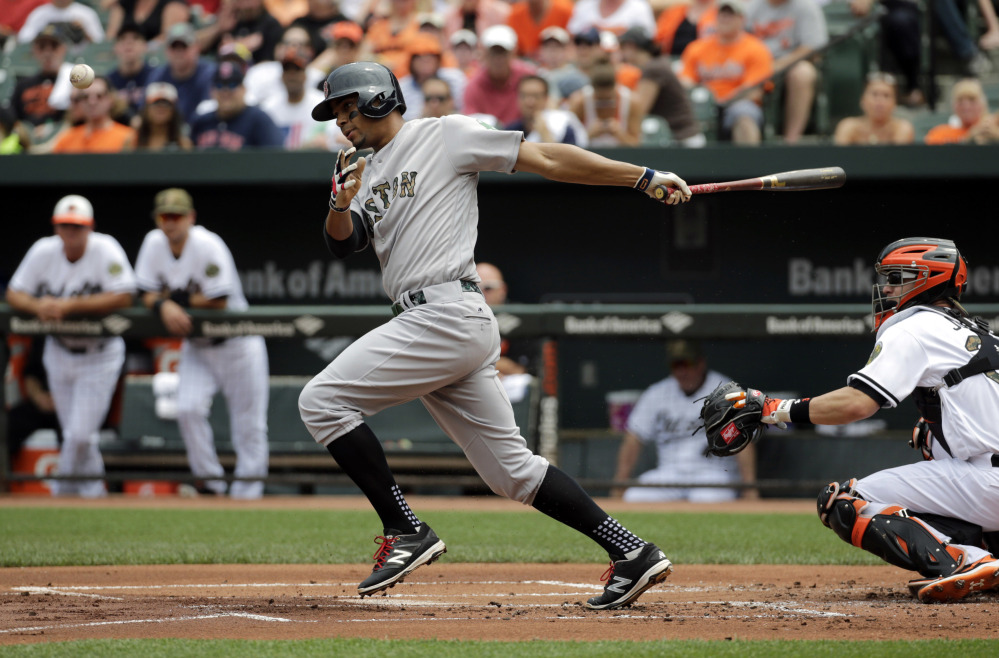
453 649
65 537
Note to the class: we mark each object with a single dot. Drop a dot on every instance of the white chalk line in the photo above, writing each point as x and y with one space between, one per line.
766 609
120 622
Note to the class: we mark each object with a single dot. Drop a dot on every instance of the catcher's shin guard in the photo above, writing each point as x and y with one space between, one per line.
892 534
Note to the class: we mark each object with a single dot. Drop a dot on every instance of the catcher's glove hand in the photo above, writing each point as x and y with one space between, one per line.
732 418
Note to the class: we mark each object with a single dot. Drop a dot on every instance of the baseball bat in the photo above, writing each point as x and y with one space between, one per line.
823 178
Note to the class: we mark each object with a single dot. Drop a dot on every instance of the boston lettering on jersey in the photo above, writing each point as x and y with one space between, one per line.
403 185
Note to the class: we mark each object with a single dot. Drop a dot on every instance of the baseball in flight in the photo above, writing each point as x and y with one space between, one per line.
81 76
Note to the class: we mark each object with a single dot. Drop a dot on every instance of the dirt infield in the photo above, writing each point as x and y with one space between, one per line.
452 600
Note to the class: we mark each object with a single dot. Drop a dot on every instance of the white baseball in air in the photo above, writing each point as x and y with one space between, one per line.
81 76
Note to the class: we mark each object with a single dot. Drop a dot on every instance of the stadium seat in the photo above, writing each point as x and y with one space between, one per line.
100 57
655 131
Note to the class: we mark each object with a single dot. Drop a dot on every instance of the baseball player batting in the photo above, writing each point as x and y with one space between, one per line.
180 266
414 202
77 271
938 517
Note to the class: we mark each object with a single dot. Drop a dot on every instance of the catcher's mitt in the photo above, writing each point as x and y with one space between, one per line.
732 418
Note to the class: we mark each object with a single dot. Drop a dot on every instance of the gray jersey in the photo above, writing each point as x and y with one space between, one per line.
418 198
785 26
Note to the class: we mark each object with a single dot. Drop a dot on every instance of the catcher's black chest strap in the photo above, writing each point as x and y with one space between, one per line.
985 360
928 402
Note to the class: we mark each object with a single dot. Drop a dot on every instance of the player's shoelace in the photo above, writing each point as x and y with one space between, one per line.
608 574
384 550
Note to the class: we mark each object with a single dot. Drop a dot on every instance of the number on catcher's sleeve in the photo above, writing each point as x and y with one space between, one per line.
731 416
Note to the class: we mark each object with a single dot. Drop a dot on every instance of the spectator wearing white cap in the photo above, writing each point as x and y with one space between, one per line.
615 16
530 18
159 126
556 65
493 90
464 45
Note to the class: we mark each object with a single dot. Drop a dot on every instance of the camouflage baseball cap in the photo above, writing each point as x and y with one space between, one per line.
174 201
683 350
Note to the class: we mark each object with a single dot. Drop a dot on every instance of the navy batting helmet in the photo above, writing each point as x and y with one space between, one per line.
378 91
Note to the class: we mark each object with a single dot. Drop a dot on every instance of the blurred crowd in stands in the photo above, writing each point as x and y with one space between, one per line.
235 74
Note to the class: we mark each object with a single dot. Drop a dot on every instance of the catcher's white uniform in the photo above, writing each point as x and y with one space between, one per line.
82 372
236 366
667 416
917 347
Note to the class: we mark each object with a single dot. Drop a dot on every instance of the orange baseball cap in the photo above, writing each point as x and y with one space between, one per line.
424 44
347 30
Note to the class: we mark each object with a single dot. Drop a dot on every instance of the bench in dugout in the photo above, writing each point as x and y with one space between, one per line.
150 447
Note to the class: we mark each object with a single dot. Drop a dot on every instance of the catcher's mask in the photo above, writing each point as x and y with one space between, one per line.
378 91
915 271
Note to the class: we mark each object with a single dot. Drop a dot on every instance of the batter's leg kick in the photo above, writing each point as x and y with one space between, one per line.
952 566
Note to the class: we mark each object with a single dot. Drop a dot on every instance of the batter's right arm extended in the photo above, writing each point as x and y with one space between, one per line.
570 164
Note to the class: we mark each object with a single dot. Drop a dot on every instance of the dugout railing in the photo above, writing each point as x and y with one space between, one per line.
146 448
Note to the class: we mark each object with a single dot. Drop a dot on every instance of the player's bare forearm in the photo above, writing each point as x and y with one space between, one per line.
198 300
22 301
567 163
100 303
842 406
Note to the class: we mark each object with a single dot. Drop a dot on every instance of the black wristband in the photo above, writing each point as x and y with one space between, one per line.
799 411
182 297
157 306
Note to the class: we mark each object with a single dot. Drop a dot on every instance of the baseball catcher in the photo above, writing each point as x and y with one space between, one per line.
938 516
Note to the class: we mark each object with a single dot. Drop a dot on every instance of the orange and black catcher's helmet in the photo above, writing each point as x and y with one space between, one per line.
921 271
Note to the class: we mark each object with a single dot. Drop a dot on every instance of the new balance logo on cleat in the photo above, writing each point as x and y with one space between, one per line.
398 556
620 585
628 579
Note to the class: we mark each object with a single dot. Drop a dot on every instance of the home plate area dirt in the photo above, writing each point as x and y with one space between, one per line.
473 601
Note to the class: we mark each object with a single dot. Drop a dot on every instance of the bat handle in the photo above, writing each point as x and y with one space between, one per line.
663 191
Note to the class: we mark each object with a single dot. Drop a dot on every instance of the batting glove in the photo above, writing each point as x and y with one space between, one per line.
340 173
663 186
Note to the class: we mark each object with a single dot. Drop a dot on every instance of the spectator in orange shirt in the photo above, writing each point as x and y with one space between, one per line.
681 23
388 38
529 18
727 63
99 133
974 123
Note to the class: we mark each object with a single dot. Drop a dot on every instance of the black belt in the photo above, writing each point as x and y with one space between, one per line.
96 347
418 298
995 461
